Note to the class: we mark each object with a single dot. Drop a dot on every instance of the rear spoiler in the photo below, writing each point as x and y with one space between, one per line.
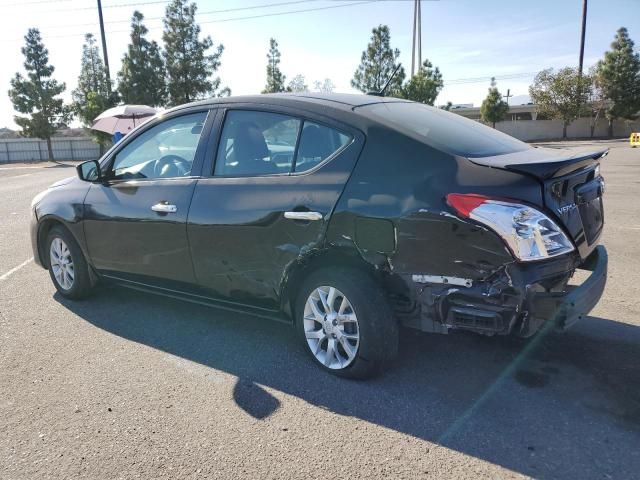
543 163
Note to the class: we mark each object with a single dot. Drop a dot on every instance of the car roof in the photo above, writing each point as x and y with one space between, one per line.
343 101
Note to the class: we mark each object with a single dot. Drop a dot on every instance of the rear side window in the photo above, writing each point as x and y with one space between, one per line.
444 130
257 143
317 143
263 143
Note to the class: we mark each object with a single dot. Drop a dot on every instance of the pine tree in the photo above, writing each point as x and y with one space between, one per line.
36 95
142 79
377 64
425 85
93 94
493 108
189 67
561 95
275 78
618 78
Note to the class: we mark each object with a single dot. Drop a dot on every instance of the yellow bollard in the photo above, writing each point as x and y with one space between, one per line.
634 139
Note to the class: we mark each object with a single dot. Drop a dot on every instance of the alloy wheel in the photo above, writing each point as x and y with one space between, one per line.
331 327
61 263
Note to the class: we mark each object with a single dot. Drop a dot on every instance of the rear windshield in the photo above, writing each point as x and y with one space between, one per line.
444 130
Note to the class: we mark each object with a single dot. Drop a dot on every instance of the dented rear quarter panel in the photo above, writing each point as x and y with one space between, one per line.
394 214
398 189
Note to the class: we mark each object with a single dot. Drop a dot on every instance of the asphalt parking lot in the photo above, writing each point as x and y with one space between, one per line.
129 385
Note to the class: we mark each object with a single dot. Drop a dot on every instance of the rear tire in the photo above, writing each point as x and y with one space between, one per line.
68 268
346 324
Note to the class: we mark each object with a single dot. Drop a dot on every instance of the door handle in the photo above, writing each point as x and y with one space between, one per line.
306 216
164 208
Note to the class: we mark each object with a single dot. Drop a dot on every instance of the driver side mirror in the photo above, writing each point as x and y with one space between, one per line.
89 171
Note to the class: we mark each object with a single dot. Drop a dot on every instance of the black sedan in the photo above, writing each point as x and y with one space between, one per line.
346 215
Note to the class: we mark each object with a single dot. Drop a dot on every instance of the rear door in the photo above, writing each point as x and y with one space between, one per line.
274 177
135 220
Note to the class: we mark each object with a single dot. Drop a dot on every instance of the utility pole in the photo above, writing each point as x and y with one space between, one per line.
417 36
508 95
584 28
104 46
413 46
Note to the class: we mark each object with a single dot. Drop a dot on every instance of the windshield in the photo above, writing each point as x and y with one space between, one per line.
444 130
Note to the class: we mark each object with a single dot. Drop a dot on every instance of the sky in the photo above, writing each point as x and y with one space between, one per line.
468 40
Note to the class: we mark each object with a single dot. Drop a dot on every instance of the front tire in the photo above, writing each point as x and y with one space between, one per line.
346 324
67 266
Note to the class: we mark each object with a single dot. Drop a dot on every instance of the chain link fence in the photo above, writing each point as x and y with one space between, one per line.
34 150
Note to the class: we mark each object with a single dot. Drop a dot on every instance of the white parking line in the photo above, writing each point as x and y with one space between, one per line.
22 175
15 269
22 168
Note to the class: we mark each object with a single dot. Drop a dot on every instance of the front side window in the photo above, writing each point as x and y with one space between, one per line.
166 150
262 143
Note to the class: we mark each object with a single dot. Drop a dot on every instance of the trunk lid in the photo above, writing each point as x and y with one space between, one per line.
572 188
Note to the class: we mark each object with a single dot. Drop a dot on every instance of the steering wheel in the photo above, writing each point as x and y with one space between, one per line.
171 166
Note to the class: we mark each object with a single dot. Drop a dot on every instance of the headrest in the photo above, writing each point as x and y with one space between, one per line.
249 143
314 142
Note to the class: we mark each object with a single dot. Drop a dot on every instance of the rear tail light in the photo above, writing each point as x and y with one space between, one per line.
529 233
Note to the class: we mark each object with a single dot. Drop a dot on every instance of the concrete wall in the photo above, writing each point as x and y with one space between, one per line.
82 148
64 148
552 129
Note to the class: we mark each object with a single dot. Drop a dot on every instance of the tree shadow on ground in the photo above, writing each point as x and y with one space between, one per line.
561 406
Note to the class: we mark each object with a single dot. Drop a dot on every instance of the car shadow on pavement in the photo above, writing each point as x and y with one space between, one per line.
560 406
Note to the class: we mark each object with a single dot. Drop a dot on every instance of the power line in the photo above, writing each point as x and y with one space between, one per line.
457 81
137 4
161 2
508 76
41 2
209 12
276 14
224 20
140 4
35 2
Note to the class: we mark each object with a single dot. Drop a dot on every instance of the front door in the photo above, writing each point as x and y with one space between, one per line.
135 220
275 182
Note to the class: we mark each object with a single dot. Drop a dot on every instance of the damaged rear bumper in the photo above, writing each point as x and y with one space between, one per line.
570 306
516 299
